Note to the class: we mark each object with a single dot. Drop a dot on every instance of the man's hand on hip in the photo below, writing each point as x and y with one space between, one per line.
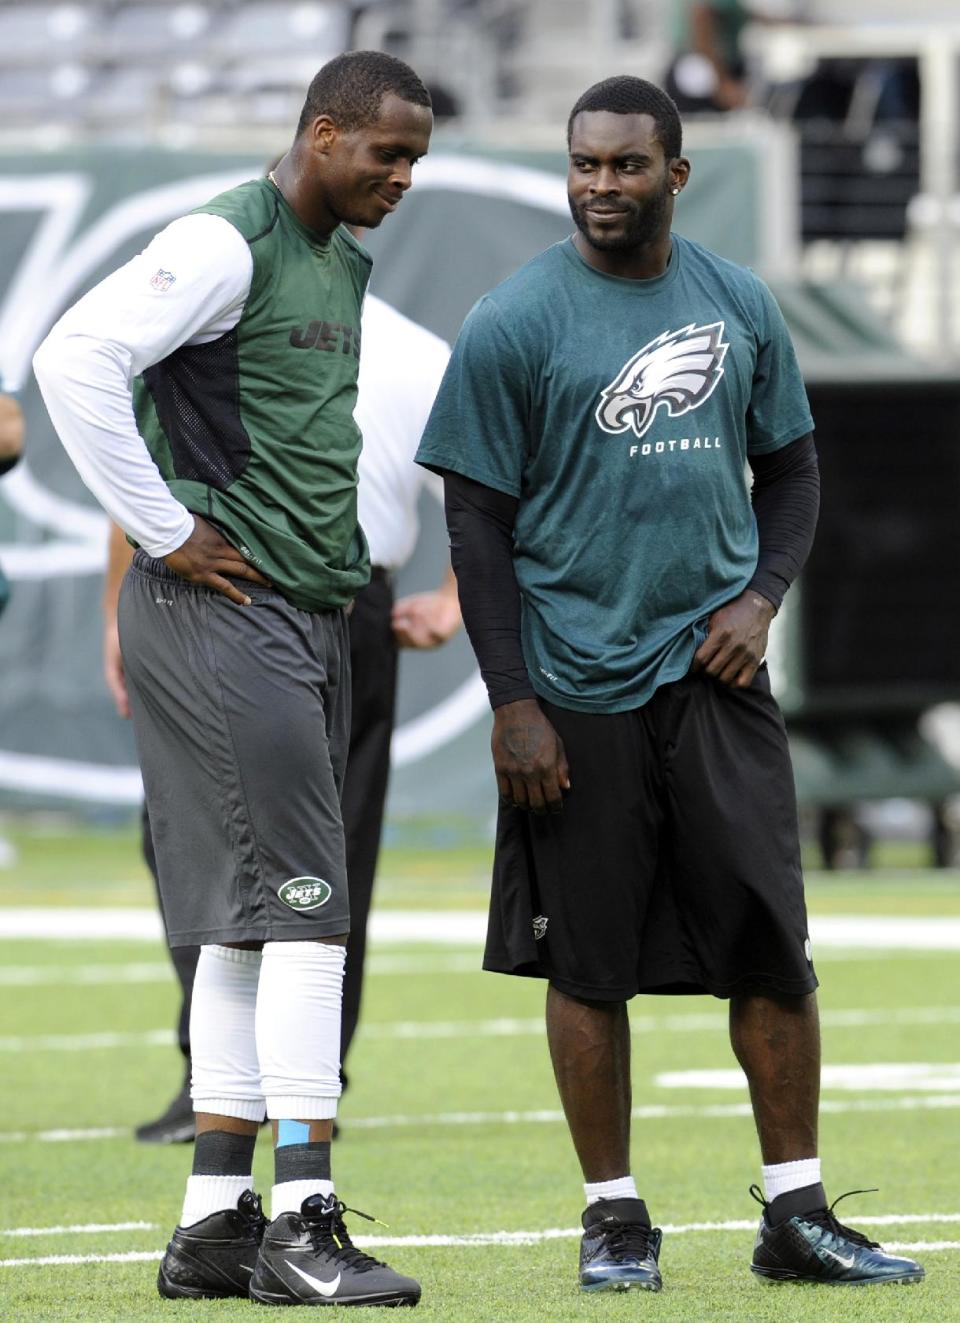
528 757
736 640
206 557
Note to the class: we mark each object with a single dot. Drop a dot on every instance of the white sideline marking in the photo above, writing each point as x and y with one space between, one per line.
543 1116
507 1238
63 1136
85 1229
57 1260
894 1075
468 927
516 1027
37 976
922 1246
884 932
652 1112
85 1042
161 971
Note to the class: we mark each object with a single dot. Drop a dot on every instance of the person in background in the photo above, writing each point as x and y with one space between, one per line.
708 71
11 450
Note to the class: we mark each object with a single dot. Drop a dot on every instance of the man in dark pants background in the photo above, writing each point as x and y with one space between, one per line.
11 451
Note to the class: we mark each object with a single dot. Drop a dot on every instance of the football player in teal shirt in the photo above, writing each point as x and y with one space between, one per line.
617 578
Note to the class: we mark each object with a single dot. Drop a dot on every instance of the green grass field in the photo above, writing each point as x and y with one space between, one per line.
450 1128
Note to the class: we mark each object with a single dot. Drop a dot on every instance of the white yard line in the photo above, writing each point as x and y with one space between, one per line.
652 1112
500 1237
83 1229
542 1116
468 928
39 976
514 1238
502 1027
63 1136
85 1042
57 1260
862 1077
161 971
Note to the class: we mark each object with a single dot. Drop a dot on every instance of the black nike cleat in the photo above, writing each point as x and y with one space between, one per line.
216 1256
307 1258
800 1240
619 1248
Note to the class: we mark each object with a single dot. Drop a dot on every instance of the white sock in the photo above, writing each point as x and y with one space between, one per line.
226 1071
211 1194
780 1177
298 1029
288 1197
624 1187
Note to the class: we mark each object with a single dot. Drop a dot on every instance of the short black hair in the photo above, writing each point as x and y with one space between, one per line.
350 89
625 95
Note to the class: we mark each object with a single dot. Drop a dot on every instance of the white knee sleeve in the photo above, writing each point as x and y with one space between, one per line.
298 1029
223 1043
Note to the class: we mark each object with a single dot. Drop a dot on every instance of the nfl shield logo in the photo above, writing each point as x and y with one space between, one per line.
162 280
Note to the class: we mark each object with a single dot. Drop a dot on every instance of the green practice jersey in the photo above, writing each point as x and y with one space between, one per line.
254 431
621 414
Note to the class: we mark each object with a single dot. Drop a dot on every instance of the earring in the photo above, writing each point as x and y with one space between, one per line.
674 191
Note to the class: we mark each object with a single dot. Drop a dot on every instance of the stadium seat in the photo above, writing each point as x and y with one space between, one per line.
273 28
156 31
122 94
28 95
45 34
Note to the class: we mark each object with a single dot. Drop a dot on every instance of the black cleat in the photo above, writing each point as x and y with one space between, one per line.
619 1248
177 1125
216 1256
800 1240
307 1258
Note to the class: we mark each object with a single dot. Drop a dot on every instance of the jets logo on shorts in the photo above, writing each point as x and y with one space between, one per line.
162 280
679 370
305 893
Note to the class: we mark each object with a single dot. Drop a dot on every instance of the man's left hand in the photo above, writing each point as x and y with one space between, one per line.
736 640
425 620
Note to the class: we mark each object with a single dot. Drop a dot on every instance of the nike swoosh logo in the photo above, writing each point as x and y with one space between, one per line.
245 1267
838 1258
325 1288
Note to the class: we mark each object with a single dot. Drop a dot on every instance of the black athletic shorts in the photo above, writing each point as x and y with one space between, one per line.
675 864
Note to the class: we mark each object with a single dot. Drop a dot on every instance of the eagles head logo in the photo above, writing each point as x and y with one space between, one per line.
678 370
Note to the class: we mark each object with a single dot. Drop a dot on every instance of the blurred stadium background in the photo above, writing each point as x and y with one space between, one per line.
839 179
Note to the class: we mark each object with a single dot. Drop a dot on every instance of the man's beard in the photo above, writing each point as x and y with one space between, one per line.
645 222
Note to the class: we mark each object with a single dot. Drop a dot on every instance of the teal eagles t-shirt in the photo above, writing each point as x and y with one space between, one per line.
620 413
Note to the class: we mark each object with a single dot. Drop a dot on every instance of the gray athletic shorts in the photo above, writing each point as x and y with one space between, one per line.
242 721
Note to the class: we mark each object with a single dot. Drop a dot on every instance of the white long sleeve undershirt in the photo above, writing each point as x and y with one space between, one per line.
200 268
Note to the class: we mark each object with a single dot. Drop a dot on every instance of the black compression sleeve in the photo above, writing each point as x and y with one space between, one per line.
7 464
786 500
480 522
